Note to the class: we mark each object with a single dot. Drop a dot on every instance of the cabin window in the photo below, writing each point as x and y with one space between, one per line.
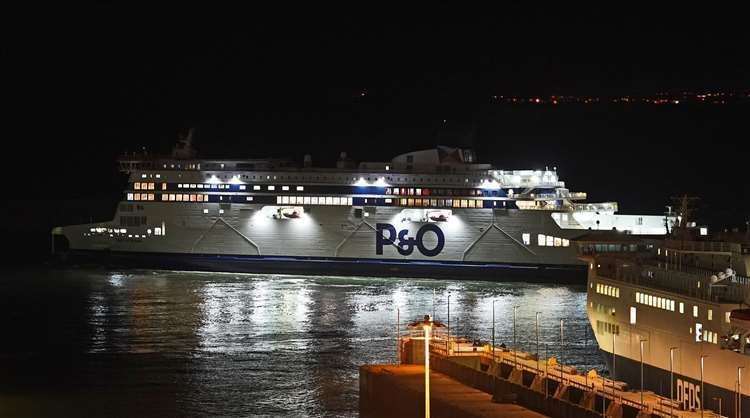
526 239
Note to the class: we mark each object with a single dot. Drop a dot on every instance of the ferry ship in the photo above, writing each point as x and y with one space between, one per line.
433 213
677 308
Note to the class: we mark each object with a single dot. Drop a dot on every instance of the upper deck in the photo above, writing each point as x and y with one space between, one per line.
710 270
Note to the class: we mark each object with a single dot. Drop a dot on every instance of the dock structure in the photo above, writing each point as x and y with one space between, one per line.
543 386
398 391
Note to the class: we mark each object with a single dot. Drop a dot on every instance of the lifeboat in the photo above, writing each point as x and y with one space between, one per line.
438 218
291 215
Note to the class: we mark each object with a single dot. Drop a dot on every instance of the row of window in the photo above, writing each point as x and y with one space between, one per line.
659 302
184 197
547 241
123 231
314 200
148 186
605 289
709 336
345 179
206 186
603 309
439 203
603 327
141 196
411 191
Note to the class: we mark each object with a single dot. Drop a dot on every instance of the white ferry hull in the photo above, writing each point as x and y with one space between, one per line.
476 242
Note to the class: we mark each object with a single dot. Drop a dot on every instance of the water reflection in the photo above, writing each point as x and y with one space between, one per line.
190 343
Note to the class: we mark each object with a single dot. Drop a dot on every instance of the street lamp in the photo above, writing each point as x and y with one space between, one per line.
536 327
493 333
703 404
562 348
718 399
433 303
398 336
546 372
671 378
427 329
642 341
739 391
448 345
426 324
613 366
515 347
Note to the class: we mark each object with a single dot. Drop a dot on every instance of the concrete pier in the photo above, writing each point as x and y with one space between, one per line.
543 386
398 391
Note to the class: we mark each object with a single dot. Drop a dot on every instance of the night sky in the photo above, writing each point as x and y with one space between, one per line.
86 84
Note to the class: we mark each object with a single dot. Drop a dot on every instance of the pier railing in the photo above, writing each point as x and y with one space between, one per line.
607 390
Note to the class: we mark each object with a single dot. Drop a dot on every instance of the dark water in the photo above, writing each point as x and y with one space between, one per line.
143 343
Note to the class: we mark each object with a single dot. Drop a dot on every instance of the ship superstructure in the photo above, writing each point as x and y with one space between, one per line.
437 208
678 307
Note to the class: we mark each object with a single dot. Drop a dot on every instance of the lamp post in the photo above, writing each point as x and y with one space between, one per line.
718 399
448 345
642 341
398 336
433 303
562 348
613 366
671 378
427 329
536 328
546 373
493 333
515 347
739 391
703 404
427 324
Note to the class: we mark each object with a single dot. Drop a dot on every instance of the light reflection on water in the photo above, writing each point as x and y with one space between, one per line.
193 343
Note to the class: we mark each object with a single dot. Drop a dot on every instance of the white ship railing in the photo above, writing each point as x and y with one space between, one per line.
687 281
703 246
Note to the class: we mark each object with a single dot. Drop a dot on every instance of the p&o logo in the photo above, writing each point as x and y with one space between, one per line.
405 245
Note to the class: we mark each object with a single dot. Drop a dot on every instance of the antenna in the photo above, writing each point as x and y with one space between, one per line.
684 215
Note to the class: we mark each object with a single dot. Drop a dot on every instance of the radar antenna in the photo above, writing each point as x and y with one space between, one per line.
686 205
